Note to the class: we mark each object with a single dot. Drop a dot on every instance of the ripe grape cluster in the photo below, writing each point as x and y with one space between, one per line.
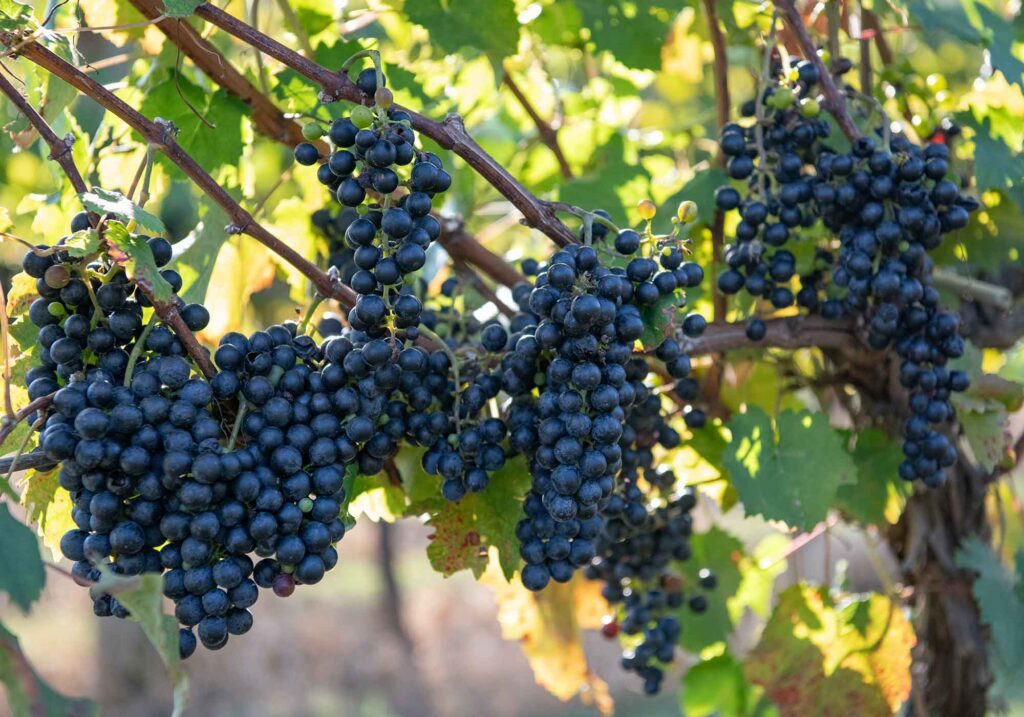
574 379
633 564
882 208
374 155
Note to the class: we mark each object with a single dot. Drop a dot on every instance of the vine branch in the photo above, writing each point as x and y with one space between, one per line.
271 122
548 134
450 133
60 152
834 100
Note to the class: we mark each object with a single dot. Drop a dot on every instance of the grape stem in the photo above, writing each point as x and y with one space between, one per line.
548 135
137 349
243 407
835 101
430 334
762 84
307 317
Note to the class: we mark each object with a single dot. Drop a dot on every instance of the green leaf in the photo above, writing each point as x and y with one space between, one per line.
559 23
941 19
719 552
660 318
23 575
996 165
198 254
985 430
465 531
596 189
133 251
181 8
634 31
998 592
814 650
14 15
212 147
790 473
491 26
115 204
878 486
142 595
1000 45
83 243
717 688
28 695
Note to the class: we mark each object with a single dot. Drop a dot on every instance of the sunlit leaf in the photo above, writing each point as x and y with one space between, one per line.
789 473
814 649
545 624
133 251
118 206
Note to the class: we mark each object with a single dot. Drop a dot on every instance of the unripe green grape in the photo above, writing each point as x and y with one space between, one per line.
809 107
362 117
686 212
312 131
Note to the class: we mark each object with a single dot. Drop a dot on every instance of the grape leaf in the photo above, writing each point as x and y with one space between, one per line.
790 472
996 165
103 201
943 19
23 576
181 8
634 32
717 687
142 595
14 15
491 26
49 507
596 189
998 592
879 492
1000 41
985 430
212 147
27 693
660 318
813 649
83 243
133 251
547 625
719 552
464 531
559 24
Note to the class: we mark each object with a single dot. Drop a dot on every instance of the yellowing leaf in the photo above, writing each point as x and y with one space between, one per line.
49 507
815 654
547 625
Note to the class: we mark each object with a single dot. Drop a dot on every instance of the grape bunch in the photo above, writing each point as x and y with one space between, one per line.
156 479
573 378
375 168
633 563
881 209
